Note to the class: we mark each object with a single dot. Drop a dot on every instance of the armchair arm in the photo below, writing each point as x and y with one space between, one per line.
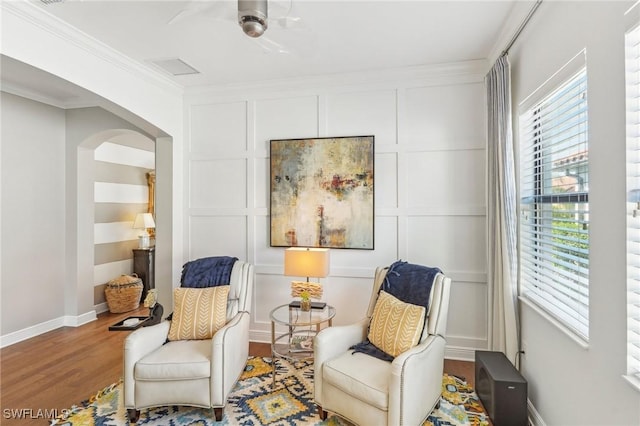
137 345
416 382
329 343
230 350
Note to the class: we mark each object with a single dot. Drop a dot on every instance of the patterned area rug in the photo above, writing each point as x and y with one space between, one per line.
253 402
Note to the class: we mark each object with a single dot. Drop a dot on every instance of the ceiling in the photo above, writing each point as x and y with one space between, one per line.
323 37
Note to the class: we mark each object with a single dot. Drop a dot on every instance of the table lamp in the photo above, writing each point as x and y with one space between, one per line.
144 221
307 262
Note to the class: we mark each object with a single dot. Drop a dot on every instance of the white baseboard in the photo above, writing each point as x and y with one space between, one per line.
44 327
260 336
460 353
100 308
534 417
26 333
71 321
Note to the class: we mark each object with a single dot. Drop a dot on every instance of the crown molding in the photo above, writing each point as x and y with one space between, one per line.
30 94
38 16
24 92
455 72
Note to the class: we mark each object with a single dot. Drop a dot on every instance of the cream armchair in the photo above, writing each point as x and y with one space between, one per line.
369 391
198 373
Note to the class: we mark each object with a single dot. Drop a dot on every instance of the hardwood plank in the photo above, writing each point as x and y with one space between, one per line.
62 367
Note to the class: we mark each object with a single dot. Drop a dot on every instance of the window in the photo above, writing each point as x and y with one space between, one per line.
633 206
554 204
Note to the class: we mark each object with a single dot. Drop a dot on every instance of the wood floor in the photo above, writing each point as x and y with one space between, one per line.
55 370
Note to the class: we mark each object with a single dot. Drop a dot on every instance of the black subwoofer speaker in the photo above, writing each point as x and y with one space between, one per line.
501 388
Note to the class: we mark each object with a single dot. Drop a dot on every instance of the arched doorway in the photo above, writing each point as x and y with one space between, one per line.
89 272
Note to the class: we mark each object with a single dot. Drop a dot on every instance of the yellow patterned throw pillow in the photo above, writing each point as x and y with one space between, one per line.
395 326
198 312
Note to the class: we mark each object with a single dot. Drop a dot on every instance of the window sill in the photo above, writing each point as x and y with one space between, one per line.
564 329
633 381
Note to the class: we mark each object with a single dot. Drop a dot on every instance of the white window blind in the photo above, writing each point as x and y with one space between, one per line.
633 206
554 188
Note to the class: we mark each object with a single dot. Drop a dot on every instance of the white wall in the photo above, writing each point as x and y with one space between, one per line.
570 384
33 213
429 183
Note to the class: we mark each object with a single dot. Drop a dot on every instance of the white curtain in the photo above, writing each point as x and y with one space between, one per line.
501 214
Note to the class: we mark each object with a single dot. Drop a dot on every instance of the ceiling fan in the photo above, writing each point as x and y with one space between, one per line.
251 15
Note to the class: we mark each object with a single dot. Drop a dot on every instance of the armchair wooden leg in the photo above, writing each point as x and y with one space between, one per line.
218 413
133 414
322 413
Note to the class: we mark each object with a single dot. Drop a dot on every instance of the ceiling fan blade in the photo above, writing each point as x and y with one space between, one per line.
211 9
271 46
287 22
184 13
282 13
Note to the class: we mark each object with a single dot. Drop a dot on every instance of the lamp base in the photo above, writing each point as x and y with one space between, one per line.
314 305
143 241
314 289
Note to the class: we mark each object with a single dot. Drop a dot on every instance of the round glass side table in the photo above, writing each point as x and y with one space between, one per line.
295 343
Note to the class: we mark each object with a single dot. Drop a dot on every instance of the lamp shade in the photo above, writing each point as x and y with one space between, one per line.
144 221
306 262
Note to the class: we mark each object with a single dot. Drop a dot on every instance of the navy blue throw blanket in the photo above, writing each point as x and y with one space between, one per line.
207 272
409 283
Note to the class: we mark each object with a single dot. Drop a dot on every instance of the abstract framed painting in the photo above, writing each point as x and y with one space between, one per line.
322 192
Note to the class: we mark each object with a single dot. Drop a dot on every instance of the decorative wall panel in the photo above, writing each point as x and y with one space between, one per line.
218 128
261 183
284 119
445 117
363 113
447 179
471 303
218 183
387 187
453 243
218 236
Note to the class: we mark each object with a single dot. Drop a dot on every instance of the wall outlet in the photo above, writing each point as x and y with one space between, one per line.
524 349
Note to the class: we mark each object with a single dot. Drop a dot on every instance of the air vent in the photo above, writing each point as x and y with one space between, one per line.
52 1
175 66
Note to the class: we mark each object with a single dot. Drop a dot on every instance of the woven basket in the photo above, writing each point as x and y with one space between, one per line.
123 293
